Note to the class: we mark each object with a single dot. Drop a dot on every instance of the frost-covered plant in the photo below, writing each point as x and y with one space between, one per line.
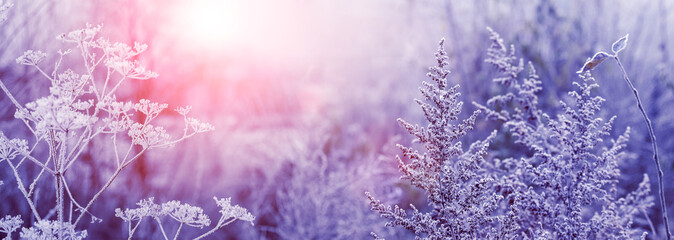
82 107
9 224
47 230
566 187
184 214
459 183
313 193
306 210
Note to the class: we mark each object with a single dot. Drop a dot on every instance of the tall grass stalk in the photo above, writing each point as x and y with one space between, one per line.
651 133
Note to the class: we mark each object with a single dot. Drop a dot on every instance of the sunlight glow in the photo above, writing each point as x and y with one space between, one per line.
214 23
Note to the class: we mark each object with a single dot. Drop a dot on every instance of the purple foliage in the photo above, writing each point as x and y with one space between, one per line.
565 186
459 183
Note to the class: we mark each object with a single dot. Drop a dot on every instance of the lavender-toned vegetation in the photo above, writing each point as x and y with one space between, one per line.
266 119
565 187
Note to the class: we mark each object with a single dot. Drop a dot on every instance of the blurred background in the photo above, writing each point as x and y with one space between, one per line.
305 95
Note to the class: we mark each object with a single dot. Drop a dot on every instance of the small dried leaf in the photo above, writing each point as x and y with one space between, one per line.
620 44
594 61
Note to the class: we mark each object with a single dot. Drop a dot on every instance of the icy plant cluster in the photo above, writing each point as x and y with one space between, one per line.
459 188
567 187
564 187
9 224
184 214
47 229
81 108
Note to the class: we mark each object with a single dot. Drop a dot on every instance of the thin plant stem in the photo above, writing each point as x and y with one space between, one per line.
663 204
107 184
132 231
59 204
175 237
10 96
161 228
44 73
220 225
650 223
105 187
22 188
72 199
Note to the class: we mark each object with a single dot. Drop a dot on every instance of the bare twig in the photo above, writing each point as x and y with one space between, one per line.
663 204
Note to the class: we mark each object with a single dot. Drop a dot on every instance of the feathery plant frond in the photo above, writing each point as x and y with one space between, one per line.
564 187
572 170
458 185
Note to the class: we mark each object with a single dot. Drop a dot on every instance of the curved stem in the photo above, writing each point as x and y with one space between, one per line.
220 225
663 204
